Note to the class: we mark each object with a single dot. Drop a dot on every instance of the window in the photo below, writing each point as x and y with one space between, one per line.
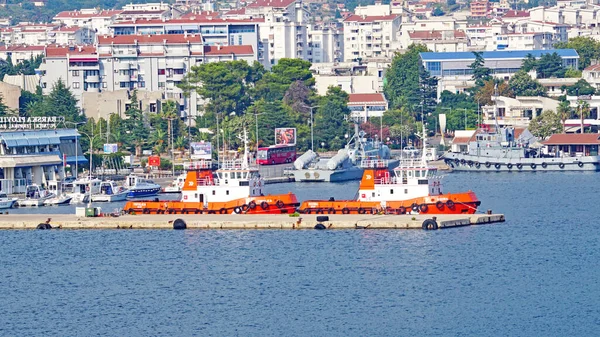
434 68
152 107
44 85
240 40
103 84
161 71
213 192
124 84
75 72
161 84
142 84
178 71
75 85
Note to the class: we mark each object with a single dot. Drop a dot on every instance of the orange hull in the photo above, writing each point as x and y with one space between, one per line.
452 203
269 204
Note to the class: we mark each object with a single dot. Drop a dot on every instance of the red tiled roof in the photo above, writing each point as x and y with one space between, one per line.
595 67
136 12
192 19
516 14
461 140
573 139
366 98
62 51
227 50
435 35
272 3
150 39
78 14
359 18
237 11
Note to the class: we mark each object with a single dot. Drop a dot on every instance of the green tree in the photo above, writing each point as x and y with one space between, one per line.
581 87
545 125
60 102
226 85
583 111
523 85
587 48
437 11
529 63
481 73
402 85
564 112
331 119
138 134
550 65
572 73
275 83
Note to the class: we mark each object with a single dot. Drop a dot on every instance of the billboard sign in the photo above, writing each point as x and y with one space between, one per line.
154 161
285 136
110 148
201 150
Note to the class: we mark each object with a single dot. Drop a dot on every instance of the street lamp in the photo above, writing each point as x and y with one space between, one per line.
465 109
312 137
171 119
91 139
76 147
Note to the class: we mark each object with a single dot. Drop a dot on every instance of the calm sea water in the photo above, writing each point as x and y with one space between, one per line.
535 275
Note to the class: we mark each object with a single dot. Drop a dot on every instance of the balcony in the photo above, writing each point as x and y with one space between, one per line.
123 77
90 89
178 77
92 79
177 65
124 65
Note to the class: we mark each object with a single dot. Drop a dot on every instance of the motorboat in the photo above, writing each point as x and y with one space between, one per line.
57 188
35 195
110 191
6 202
139 187
176 185
235 187
83 188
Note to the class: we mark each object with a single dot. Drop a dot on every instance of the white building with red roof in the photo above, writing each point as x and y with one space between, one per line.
371 37
365 106
44 34
95 19
439 40
154 63
19 53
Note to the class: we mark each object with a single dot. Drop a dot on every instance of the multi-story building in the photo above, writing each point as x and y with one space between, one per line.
44 34
454 74
19 53
480 9
364 106
351 77
442 41
215 31
325 43
371 37
152 63
93 19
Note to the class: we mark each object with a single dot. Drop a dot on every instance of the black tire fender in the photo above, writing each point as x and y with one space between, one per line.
430 224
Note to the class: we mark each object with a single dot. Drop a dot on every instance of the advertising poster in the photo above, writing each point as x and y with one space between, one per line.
154 161
110 148
201 150
285 136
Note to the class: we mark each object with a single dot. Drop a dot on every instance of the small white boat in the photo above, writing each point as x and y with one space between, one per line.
176 185
6 202
139 187
81 189
35 195
109 192
58 200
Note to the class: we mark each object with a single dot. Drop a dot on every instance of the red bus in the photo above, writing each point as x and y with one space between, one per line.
276 154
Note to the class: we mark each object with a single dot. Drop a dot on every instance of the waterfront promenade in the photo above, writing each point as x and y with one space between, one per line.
248 222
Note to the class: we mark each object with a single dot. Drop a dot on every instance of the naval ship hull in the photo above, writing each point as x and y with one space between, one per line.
464 162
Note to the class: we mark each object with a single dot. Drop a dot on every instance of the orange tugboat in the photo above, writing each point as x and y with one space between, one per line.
234 188
412 188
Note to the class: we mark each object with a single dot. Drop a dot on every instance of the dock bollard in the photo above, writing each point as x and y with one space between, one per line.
489 212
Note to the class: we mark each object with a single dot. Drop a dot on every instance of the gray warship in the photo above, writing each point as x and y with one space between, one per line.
498 150
345 164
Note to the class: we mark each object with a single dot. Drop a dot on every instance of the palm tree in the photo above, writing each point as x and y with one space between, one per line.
169 112
583 109
158 139
564 111
179 144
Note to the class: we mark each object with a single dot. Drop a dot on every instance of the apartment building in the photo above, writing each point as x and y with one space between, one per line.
45 34
93 19
152 63
351 77
440 41
19 53
364 106
581 16
480 9
371 37
325 43
215 31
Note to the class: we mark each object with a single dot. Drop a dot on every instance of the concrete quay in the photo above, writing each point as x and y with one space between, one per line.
234 221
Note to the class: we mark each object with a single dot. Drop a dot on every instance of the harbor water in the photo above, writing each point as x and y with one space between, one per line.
534 275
